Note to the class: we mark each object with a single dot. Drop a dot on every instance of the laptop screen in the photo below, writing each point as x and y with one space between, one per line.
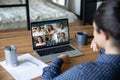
50 33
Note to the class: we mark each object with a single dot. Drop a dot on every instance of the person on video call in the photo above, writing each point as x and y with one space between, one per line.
39 31
51 29
62 28
51 41
63 38
40 41
106 33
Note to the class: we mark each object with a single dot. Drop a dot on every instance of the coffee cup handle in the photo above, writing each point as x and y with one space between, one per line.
75 36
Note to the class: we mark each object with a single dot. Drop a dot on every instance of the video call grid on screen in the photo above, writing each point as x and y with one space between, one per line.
49 33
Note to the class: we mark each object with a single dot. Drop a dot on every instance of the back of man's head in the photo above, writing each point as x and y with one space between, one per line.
107 18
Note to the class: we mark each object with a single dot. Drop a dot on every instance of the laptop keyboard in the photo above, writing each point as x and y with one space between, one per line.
55 50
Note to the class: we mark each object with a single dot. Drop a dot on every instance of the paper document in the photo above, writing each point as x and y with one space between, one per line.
28 67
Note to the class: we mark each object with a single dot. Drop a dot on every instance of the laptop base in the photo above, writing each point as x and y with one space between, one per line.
48 58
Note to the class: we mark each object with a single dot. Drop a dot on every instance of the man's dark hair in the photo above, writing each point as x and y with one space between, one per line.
107 18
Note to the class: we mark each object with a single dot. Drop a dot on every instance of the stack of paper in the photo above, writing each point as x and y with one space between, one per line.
28 67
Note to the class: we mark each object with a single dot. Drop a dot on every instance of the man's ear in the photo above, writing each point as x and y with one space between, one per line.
105 36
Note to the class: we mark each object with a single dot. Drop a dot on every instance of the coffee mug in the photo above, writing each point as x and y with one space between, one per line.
81 38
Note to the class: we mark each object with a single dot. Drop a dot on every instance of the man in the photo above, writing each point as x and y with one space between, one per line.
51 41
63 37
106 35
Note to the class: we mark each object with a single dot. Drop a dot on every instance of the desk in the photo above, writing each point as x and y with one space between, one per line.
22 40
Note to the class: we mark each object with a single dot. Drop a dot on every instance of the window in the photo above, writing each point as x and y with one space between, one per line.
60 2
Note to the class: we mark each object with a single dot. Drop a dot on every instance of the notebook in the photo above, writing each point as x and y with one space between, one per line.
51 38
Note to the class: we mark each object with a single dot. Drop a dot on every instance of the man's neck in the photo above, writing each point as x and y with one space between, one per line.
112 50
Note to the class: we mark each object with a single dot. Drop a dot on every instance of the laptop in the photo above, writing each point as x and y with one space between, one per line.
51 38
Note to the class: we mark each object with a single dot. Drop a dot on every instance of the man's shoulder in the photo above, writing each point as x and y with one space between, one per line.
87 65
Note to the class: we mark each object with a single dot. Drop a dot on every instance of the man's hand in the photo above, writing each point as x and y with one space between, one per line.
94 46
65 58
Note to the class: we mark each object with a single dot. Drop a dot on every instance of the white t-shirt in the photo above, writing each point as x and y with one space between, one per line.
39 33
40 44
59 30
52 32
55 37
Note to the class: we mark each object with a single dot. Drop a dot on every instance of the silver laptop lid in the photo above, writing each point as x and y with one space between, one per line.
51 33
